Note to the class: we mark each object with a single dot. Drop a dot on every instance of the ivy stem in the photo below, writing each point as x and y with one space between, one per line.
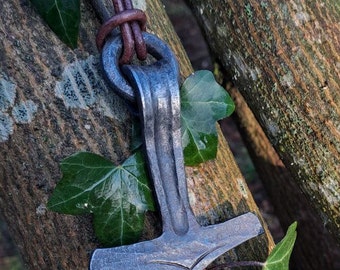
237 264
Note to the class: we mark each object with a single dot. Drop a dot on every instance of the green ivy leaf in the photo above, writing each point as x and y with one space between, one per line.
280 255
203 102
118 196
62 16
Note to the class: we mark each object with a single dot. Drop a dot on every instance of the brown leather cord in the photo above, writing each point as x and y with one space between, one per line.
132 22
117 20
140 46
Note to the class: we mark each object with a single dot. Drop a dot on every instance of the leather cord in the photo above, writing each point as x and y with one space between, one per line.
132 22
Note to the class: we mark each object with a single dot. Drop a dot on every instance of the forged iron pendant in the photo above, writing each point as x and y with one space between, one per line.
184 244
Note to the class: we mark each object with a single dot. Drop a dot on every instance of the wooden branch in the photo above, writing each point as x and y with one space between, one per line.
284 59
289 202
57 104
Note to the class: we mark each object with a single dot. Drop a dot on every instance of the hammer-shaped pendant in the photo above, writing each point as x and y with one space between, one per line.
184 244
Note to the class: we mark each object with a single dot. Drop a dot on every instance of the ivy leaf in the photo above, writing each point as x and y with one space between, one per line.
203 102
117 196
280 255
62 16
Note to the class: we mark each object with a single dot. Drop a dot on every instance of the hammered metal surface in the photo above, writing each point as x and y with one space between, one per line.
184 244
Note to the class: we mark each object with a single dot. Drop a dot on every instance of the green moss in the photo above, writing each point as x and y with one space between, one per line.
264 4
249 11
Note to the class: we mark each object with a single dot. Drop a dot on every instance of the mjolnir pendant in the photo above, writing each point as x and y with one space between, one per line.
184 244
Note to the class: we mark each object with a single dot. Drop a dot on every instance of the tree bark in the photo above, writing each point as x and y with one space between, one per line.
54 103
284 60
322 251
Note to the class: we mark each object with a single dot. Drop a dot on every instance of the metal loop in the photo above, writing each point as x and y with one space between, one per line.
110 61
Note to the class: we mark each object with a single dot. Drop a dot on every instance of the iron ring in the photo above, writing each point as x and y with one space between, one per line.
115 74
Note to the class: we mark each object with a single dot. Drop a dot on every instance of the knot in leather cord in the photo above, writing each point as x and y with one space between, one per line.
132 22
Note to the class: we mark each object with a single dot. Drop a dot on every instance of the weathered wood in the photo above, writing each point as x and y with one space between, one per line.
55 104
284 59
322 251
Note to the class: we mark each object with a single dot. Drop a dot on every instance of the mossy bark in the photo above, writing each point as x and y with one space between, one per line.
55 103
284 60
322 251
